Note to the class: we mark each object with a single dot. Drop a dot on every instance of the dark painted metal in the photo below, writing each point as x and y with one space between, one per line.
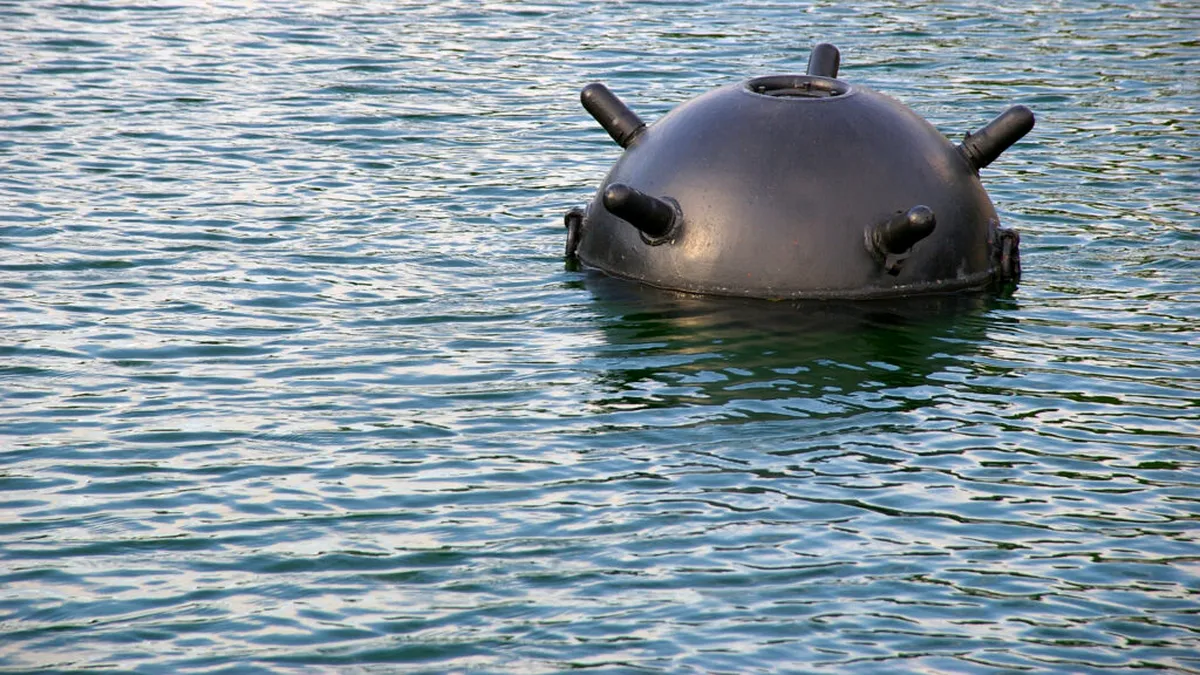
1008 256
903 230
617 119
892 240
573 221
984 146
824 60
771 187
656 218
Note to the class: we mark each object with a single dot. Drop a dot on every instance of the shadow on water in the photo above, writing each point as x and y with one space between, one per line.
669 348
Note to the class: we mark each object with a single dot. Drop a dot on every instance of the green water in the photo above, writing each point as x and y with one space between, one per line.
293 377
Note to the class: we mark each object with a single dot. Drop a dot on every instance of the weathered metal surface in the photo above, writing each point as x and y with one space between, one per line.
795 186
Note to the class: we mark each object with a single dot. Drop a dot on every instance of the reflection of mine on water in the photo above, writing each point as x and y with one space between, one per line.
678 348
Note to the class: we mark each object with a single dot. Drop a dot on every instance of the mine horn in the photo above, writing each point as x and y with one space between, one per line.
617 119
824 60
656 218
984 146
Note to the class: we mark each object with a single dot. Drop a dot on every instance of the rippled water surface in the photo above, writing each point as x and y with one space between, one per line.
294 377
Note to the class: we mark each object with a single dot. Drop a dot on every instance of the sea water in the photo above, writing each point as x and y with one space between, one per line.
293 376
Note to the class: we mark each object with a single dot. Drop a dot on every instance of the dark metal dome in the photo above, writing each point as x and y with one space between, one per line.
796 186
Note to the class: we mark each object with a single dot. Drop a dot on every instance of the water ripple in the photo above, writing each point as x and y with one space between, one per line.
294 378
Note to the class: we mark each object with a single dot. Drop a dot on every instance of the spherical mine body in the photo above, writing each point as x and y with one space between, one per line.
796 186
